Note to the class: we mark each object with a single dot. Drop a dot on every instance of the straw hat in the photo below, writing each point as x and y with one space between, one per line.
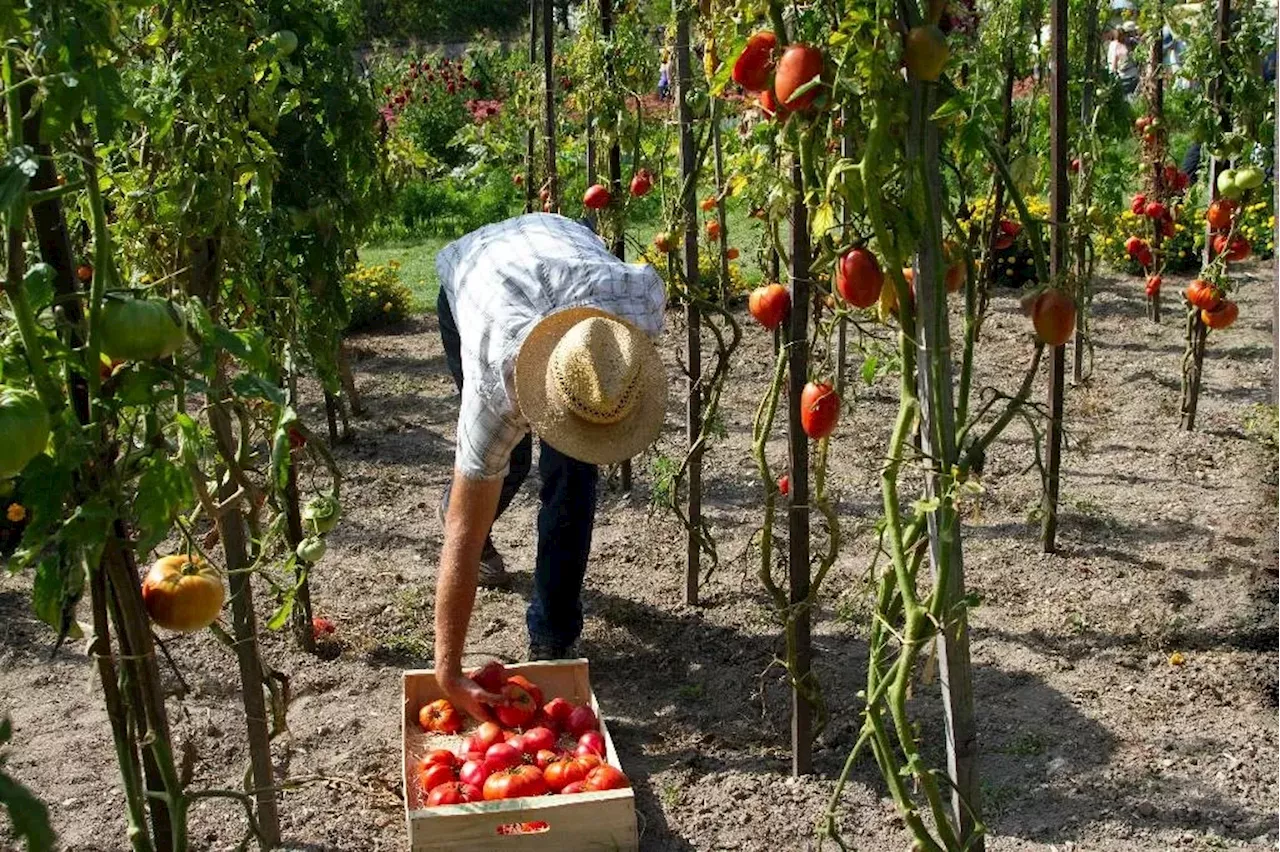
592 385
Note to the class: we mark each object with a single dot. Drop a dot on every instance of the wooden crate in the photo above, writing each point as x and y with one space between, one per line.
585 821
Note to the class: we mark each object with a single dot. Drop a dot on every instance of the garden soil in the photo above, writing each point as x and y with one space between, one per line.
1091 738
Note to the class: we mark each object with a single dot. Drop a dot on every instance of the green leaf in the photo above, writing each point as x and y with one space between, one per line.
869 369
38 284
251 386
58 586
16 171
281 616
163 491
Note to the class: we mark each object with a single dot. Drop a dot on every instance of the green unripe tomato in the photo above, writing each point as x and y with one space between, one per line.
322 513
311 549
1227 185
1250 177
24 425
140 329
284 41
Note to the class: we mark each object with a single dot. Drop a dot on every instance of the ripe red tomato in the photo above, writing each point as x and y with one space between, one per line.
1075 165
581 719
321 626
770 305
591 742
432 775
1155 210
819 409
473 772
753 66
557 711
1054 317
490 677
1139 204
1203 295
442 756
605 777
1145 258
515 783
731 254
784 484
454 793
641 183
574 787
182 593
516 741
545 758
799 64
596 197
84 272
708 204
926 52
713 229
502 756
1134 246
517 706
1235 251
564 771
1223 316
440 716
1008 232
1220 213
1153 285
662 242
529 686
769 104
535 740
859 278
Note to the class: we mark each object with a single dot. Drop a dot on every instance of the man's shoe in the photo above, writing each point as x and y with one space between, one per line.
539 652
493 569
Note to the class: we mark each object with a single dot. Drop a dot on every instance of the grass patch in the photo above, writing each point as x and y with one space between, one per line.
417 268
417 258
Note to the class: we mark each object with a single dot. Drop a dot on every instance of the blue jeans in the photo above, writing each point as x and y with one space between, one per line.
565 520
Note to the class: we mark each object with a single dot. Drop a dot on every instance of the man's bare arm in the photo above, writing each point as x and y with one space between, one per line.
472 506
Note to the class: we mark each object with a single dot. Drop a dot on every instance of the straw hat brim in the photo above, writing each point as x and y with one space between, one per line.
594 443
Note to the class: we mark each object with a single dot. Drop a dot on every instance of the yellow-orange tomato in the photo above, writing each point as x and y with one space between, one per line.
183 593
1221 317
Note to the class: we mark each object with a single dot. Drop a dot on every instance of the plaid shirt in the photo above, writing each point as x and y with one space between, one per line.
500 281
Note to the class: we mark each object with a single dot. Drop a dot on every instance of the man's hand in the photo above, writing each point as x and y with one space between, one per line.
467 695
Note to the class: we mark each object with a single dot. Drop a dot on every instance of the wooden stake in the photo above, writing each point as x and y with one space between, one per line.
1155 67
615 175
1084 282
938 440
1059 191
1198 331
693 317
1275 239
530 191
798 503
549 99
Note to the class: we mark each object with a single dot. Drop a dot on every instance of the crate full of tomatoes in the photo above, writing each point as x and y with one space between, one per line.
544 776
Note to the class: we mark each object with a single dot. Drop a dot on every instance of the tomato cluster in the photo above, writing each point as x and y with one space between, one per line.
539 749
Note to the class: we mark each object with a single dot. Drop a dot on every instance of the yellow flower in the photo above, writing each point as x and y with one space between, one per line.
17 513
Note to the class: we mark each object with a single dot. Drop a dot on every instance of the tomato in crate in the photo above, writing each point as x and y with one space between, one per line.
588 801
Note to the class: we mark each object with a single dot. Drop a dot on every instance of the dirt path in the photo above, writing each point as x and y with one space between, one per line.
1091 740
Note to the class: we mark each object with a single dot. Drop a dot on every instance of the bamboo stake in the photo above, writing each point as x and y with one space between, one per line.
1084 282
1155 67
